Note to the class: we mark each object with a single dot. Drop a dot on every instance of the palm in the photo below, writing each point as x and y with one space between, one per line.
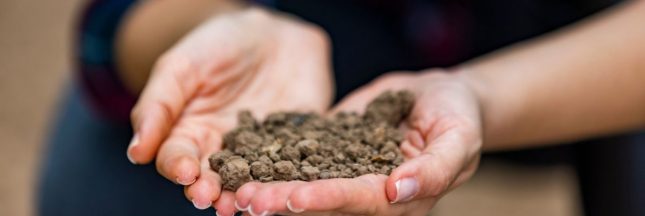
250 60
213 111
262 85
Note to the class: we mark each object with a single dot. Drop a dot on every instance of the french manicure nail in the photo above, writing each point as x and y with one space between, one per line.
264 213
134 142
237 206
406 188
250 210
292 209
201 206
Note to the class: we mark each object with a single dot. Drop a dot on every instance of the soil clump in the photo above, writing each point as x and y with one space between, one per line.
306 146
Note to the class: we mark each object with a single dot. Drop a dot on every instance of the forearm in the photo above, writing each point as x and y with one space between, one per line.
152 27
583 81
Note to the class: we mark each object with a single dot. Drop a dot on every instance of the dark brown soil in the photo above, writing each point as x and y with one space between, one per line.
305 146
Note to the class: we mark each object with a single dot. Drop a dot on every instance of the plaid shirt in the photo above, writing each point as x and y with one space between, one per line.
95 58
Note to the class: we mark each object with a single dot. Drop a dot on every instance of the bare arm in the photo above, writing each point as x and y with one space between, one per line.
582 81
152 27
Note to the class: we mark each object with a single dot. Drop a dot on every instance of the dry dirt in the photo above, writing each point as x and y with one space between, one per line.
306 146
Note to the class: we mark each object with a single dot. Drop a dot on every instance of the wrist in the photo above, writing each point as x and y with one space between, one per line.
484 95
475 82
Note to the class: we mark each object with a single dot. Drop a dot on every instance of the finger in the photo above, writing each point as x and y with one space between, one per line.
408 150
429 174
206 189
244 194
415 139
273 198
362 195
177 160
185 153
159 106
225 205
356 101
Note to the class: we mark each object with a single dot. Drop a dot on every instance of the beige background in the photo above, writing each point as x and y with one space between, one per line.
34 66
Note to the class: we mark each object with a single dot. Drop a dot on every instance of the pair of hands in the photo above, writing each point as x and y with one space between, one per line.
265 62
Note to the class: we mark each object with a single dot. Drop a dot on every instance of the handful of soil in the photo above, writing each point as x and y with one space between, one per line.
305 146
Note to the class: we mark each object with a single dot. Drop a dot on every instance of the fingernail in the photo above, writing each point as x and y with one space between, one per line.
264 213
406 188
292 209
201 206
237 206
250 210
134 142
186 182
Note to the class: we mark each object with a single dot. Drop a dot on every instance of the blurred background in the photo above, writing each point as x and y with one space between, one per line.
35 68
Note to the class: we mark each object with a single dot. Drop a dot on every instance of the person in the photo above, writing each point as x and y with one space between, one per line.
197 66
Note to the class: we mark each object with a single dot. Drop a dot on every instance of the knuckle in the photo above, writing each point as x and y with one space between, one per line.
300 197
165 113
193 133
159 165
439 185
317 35
246 188
439 180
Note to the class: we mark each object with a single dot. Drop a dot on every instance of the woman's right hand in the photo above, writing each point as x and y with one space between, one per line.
442 149
251 59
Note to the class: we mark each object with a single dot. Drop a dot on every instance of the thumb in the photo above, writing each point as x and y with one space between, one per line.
418 178
433 172
173 82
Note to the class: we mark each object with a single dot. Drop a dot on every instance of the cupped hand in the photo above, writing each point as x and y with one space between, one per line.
251 59
442 149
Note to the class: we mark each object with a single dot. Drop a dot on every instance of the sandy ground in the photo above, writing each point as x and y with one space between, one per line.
34 66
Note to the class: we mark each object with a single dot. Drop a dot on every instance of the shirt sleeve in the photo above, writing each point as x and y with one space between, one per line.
95 61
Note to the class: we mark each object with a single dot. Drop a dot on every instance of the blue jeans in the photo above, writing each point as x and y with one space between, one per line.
86 172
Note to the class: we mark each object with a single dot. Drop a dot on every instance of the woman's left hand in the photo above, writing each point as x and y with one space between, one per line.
442 149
